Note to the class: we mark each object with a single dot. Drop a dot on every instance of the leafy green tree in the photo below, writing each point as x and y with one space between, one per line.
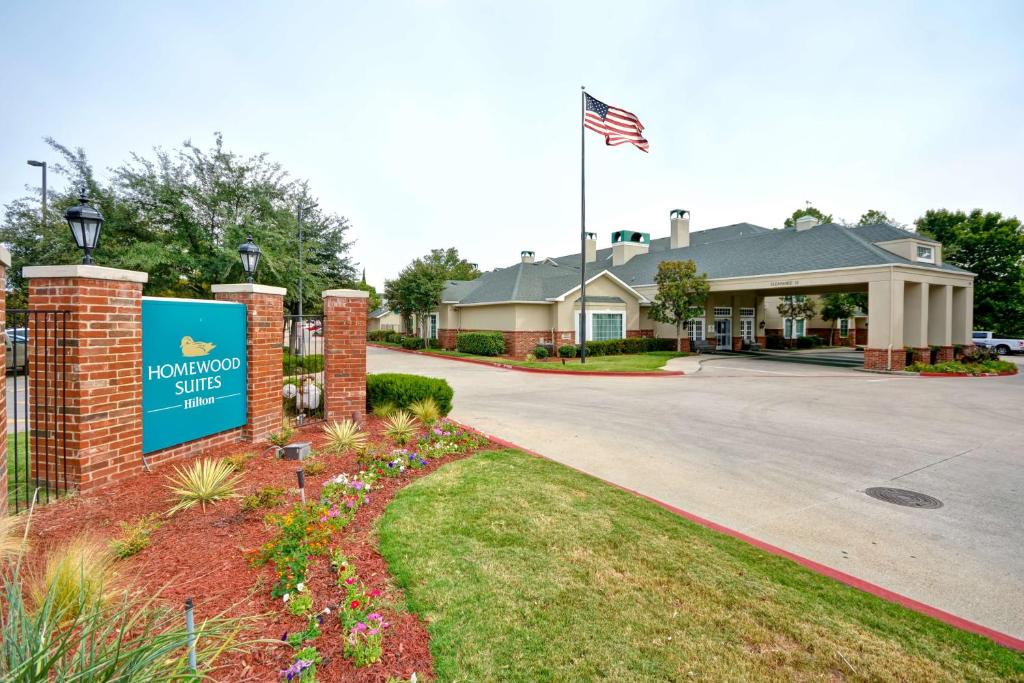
874 216
682 294
836 307
992 246
795 307
808 210
180 216
416 292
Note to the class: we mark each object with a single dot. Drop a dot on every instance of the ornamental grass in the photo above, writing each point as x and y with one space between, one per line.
401 427
344 436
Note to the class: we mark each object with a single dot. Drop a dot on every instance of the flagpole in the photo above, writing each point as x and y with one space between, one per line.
583 228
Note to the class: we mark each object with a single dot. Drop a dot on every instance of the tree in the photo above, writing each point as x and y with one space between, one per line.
836 307
992 246
416 292
874 217
795 307
808 210
682 293
180 217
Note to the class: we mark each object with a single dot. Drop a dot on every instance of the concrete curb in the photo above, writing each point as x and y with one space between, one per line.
518 368
997 637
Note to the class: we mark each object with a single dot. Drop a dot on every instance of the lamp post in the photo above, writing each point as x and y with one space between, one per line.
250 254
85 222
302 210
42 165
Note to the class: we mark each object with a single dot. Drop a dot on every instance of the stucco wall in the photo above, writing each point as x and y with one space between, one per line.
491 317
603 286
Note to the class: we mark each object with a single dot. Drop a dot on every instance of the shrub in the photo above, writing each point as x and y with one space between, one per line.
313 362
661 344
266 497
963 368
135 536
281 438
433 343
205 481
387 336
567 351
76 578
385 410
775 341
344 436
314 467
238 461
480 343
425 410
540 352
805 342
401 427
413 343
402 390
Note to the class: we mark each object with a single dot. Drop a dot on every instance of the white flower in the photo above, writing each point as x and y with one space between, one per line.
286 597
327 610
300 587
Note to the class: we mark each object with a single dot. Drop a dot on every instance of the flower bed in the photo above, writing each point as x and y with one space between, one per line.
958 368
308 574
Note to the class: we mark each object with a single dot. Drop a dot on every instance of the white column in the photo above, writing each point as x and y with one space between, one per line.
940 315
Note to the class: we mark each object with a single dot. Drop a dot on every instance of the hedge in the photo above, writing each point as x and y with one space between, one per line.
480 343
389 336
567 351
401 390
614 347
292 364
414 343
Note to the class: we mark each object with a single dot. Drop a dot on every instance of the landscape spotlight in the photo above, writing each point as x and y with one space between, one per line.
250 254
85 222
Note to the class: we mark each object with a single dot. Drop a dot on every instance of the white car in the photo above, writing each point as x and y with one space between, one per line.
1000 345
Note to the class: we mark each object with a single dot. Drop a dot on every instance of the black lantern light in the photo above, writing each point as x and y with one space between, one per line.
250 254
85 222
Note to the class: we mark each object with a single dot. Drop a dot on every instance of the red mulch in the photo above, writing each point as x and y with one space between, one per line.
201 555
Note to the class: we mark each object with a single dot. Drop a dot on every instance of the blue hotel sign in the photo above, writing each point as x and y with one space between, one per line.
193 370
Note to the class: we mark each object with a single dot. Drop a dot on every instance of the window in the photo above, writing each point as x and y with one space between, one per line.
602 326
433 326
844 328
695 326
746 312
925 253
723 311
794 328
977 335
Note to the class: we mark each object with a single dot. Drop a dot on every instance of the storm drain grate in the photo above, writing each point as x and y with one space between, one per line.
910 499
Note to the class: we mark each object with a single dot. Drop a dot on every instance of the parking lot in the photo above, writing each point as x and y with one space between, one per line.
784 451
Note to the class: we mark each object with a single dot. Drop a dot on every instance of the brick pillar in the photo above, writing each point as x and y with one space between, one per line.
102 378
923 355
345 353
264 323
5 263
762 342
737 343
945 354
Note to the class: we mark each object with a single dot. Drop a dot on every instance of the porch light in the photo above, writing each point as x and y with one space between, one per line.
85 223
250 254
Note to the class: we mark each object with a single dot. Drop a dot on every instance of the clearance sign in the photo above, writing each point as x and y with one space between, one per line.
193 370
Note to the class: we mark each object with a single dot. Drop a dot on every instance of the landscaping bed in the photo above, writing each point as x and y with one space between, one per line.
648 362
244 562
527 570
955 368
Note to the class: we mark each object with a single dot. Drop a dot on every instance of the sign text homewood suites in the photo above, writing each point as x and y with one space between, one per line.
193 370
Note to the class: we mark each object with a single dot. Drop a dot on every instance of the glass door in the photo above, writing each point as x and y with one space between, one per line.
747 329
723 333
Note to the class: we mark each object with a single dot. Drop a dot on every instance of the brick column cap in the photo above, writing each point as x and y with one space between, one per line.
248 288
5 257
347 293
80 270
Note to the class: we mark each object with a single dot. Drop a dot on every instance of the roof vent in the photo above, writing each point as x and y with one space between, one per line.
628 243
526 256
631 236
805 223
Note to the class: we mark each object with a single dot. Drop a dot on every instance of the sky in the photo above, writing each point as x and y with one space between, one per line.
439 123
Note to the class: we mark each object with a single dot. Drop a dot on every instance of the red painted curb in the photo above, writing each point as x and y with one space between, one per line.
964 374
503 366
998 637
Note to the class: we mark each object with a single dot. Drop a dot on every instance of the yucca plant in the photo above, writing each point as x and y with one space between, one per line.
401 427
425 410
385 410
75 577
204 481
344 436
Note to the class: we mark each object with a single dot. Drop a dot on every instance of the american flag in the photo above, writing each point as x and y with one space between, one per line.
616 125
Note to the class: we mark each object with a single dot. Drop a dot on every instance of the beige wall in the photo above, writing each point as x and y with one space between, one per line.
491 317
389 321
603 286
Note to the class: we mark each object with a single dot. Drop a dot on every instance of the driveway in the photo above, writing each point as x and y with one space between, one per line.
783 452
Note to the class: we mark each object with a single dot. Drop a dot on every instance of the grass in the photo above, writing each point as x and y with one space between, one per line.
528 571
651 361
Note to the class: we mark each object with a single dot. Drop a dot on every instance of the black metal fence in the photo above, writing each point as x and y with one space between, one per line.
36 356
303 391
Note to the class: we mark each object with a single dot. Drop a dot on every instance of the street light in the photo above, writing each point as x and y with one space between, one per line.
42 165
85 223
250 254
302 209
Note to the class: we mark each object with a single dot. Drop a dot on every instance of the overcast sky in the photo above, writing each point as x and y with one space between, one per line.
434 123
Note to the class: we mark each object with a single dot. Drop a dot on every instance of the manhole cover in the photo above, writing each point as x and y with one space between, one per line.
910 499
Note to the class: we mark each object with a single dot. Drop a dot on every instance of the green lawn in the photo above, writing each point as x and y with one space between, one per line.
526 570
20 489
650 361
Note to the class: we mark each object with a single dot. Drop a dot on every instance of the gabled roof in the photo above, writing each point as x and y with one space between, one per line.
380 312
883 232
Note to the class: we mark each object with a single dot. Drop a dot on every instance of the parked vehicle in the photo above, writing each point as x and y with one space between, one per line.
1000 345
16 344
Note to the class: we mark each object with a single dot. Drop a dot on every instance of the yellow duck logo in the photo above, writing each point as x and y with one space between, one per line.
190 347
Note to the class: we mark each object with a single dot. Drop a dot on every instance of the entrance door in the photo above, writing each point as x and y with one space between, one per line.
747 329
723 333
